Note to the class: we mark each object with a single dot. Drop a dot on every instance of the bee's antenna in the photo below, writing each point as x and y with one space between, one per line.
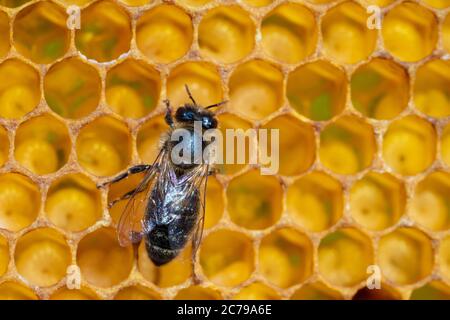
216 104
190 94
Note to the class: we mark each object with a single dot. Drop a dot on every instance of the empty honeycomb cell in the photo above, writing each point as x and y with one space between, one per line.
171 274
203 80
257 291
431 202
235 29
296 145
4 255
20 201
317 90
227 257
383 293
234 123
104 146
149 137
405 256
40 32
214 202
344 256
446 33
105 31
164 33
4 29
409 31
79 3
347 145
254 200
380 3
434 290
72 88
440 4
316 291
445 145
83 293
409 145
289 33
20 94
315 201
193 3
198 293
285 257
132 88
444 257
102 261
11 290
136 292
13 3
42 144
377 201
73 202
256 89
432 88
42 256
258 3
4 146
380 88
346 36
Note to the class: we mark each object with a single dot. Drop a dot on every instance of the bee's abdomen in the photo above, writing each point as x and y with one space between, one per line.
159 247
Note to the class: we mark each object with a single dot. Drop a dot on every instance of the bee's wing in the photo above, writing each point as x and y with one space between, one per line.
130 227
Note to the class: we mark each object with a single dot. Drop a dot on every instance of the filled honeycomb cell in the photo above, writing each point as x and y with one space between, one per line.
380 3
434 290
21 93
11 290
258 3
171 274
40 32
256 89
74 294
410 31
102 261
317 90
203 80
105 31
285 257
13 3
4 146
409 145
315 201
430 204
379 89
136 292
377 201
149 136
104 146
4 29
235 29
445 30
289 33
72 88
215 203
296 145
445 145
257 291
432 88
164 33
383 293
20 201
344 256
444 257
347 145
42 256
316 291
405 256
4 255
346 37
227 257
42 144
254 200
439 4
73 202
132 88
198 293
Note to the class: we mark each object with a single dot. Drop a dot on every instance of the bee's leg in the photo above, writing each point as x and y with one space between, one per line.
133 170
168 116
126 196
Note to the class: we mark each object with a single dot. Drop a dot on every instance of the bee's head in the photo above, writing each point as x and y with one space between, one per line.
189 113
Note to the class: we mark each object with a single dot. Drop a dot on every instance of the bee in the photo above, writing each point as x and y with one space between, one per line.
167 208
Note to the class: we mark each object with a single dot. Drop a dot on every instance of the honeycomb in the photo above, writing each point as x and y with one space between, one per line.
364 146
